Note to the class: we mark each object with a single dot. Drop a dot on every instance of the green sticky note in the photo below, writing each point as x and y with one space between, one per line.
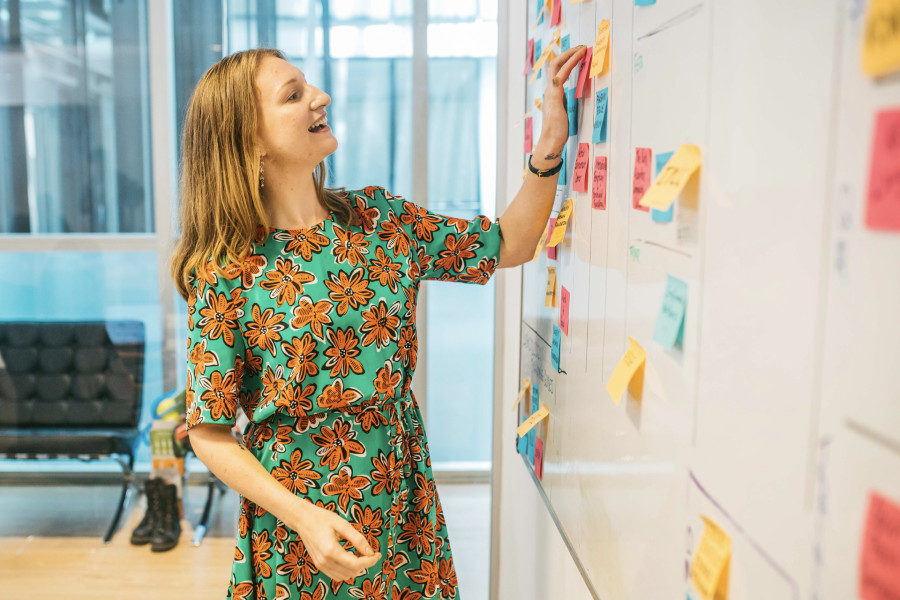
669 327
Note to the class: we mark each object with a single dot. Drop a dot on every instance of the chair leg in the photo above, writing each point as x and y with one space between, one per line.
200 529
128 475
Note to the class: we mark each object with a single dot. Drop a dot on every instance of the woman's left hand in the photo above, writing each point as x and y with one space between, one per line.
555 119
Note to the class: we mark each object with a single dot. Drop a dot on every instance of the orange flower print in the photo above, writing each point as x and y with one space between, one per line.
371 589
242 591
460 224
380 324
285 281
297 565
342 352
345 486
265 328
371 416
386 473
201 358
219 318
447 578
335 396
260 546
418 533
296 402
386 381
406 347
221 395
273 380
480 273
251 268
427 574
302 243
423 494
317 594
459 249
297 474
384 271
396 237
312 313
424 260
301 353
423 224
336 444
349 246
349 292
368 523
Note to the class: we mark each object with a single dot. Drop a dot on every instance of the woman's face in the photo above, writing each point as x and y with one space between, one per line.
288 107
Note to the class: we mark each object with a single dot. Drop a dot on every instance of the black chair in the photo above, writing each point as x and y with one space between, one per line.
72 389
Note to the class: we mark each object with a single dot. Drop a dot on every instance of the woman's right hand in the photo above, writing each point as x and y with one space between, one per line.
321 529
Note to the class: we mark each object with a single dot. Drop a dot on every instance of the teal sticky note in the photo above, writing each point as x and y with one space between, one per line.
572 110
535 400
662 216
562 170
564 44
600 116
669 327
644 2
540 7
530 436
537 54
554 347
522 445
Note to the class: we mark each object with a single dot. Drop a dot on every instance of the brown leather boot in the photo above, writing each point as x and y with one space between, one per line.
143 533
168 530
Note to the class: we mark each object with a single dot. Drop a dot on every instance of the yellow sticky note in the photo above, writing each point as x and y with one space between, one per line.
672 178
550 295
525 385
562 221
537 103
533 419
540 245
632 364
601 45
881 38
550 56
709 568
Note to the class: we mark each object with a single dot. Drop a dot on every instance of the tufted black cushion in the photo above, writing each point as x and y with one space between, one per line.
73 375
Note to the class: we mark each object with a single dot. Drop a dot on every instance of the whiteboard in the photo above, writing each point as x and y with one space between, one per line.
780 410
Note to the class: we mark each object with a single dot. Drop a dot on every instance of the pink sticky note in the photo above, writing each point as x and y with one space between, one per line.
557 13
879 561
538 457
642 176
598 187
564 310
528 135
580 177
883 197
583 71
551 250
530 57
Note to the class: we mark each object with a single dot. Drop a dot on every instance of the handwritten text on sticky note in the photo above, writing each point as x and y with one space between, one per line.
879 565
533 420
709 568
883 195
555 347
673 178
579 181
562 221
669 327
598 187
642 176
630 367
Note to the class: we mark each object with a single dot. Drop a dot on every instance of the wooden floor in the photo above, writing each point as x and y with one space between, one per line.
51 545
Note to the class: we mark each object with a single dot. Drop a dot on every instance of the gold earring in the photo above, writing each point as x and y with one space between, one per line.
262 175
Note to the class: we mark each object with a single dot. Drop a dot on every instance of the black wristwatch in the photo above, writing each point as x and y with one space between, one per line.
545 172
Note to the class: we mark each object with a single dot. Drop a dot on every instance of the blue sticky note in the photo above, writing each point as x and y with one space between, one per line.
530 436
522 445
662 216
600 116
669 327
535 400
540 7
564 44
537 54
554 348
644 2
562 170
572 110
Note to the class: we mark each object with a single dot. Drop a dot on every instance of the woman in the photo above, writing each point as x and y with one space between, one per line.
301 311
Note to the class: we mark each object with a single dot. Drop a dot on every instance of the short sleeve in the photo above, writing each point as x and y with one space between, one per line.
215 350
450 248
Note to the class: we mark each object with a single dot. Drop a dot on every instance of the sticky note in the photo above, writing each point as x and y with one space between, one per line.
522 445
541 241
528 135
562 221
598 187
599 59
709 568
580 176
600 109
572 110
662 216
564 310
541 8
555 347
673 177
630 367
550 294
562 169
547 55
564 44
644 2
533 419
881 38
642 177
539 458
556 13
537 52
529 56
526 383
535 399
551 250
879 564
585 64
529 449
669 327
883 195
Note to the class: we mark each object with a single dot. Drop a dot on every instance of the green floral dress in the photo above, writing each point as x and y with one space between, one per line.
314 336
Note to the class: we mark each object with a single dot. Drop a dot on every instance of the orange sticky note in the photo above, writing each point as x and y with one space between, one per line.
526 383
879 562
883 195
709 568
580 177
881 38
599 59
672 179
628 373
533 419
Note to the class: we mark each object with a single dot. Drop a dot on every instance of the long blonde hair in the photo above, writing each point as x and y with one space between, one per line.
221 207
